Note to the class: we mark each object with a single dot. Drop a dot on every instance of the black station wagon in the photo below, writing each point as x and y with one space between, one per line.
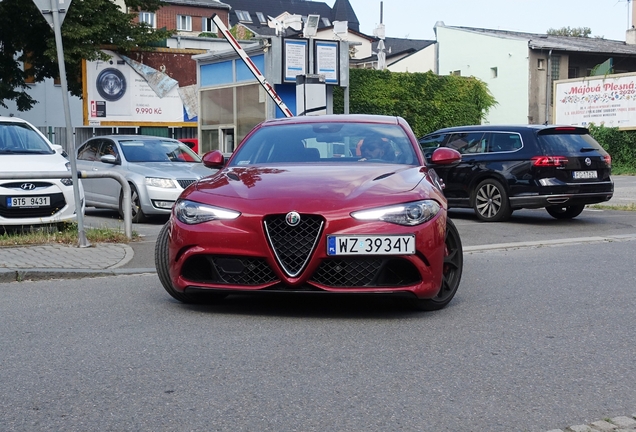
505 168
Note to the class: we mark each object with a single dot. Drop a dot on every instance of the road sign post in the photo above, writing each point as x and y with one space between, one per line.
54 12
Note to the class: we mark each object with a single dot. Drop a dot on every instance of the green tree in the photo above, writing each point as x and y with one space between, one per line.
567 31
89 25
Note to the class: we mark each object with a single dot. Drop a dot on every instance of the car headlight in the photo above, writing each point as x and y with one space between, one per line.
160 182
409 214
190 212
68 166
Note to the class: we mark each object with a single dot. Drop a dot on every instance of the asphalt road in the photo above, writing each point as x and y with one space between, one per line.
536 339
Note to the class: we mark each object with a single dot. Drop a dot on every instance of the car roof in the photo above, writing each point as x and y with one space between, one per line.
334 118
134 137
503 128
12 120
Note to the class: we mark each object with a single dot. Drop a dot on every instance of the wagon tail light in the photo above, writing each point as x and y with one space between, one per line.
549 161
608 160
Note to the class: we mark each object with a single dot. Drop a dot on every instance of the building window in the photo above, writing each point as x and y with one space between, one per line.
326 21
184 22
261 17
541 64
208 26
493 72
148 18
554 73
243 16
456 73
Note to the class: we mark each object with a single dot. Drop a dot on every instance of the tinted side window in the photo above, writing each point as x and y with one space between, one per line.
504 142
89 151
108 148
432 141
468 142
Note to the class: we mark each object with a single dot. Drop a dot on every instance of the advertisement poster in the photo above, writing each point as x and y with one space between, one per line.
605 100
123 91
327 61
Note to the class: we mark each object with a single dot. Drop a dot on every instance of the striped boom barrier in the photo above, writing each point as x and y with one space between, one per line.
252 67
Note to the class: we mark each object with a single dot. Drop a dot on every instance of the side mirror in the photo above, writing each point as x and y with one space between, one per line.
445 156
214 159
109 159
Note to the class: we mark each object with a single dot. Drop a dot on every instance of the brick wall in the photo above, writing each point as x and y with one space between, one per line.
167 16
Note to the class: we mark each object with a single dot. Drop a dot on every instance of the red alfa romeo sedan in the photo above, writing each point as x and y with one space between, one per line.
317 204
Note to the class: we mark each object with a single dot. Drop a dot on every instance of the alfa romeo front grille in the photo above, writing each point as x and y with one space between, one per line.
293 245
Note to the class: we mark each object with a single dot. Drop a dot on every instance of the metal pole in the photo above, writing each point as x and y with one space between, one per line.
69 127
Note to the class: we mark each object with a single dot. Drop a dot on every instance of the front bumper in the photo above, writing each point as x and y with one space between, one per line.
235 256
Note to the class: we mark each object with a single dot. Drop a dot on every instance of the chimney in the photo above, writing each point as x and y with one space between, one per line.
630 35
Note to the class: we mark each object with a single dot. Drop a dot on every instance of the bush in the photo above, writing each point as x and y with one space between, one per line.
427 101
621 145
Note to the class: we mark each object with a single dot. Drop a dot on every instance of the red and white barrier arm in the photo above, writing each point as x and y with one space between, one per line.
252 67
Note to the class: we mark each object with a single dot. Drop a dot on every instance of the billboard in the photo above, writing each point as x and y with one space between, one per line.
608 100
122 91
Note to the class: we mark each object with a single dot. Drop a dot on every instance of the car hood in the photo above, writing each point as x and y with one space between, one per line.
341 183
32 163
179 170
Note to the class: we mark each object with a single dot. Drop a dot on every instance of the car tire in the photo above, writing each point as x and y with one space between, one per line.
162 264
137 214
565 212
491 202
452 271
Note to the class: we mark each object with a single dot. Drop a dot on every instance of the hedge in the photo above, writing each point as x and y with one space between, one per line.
621 145
426 100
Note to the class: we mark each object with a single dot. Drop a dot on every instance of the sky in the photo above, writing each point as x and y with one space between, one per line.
415 19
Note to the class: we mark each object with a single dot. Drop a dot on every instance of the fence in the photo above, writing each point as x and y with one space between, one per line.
57 135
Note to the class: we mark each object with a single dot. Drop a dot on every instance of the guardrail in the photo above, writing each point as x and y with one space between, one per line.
126 203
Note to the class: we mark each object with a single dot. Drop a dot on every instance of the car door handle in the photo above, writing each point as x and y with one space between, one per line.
95 169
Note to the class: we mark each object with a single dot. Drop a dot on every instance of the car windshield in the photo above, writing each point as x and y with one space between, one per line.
326 143
157 151
20 138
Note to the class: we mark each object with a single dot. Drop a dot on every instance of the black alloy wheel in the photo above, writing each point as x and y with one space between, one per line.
162 263
491 201
137 214
452 271
565 212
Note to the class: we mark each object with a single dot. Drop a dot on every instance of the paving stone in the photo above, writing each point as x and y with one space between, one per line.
580 428
603 426
624 422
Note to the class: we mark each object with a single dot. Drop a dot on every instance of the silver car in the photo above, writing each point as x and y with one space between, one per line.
158 170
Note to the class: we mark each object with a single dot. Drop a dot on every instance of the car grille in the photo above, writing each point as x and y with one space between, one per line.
184 183
366 272
293 245
57 203
228 270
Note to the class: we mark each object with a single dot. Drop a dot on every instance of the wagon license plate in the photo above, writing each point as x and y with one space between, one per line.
371 245
28 202
584 174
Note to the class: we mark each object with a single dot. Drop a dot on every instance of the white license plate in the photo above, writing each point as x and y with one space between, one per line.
371 245
28 202
584 174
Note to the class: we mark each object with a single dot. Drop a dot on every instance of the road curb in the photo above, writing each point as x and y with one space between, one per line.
21 275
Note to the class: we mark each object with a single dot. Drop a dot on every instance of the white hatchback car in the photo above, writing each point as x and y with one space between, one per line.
26 201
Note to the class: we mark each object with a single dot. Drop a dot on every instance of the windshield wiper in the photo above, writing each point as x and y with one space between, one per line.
587 149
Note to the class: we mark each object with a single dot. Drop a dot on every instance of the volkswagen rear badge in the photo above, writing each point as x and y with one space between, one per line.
588 161
292 218
27 186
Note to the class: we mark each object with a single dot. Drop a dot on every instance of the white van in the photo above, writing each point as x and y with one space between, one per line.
26 201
